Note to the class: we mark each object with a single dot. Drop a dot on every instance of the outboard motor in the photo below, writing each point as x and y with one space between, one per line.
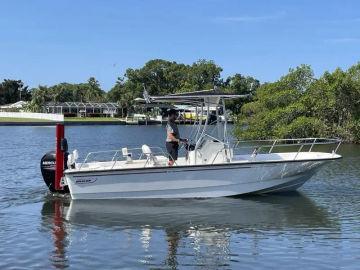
48 165
54 163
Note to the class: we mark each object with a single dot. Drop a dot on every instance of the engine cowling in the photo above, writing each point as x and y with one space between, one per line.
48 165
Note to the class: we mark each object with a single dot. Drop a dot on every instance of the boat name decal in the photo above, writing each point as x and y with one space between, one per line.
85 181
48 162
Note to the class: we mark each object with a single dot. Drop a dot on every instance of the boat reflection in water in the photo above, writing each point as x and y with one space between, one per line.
208 224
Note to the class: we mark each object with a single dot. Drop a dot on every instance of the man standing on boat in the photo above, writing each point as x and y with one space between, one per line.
172 137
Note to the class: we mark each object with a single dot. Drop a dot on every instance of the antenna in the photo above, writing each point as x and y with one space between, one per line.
146 95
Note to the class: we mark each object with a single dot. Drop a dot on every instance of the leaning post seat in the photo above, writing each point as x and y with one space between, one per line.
126 154
149 155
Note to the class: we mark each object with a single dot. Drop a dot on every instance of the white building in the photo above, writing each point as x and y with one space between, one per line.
15 107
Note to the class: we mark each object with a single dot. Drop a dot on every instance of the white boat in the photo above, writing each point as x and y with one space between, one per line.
212 167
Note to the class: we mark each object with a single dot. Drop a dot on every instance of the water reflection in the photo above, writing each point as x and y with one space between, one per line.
52 219
206 226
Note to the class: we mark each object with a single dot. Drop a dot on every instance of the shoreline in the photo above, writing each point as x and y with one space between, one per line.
66 123
94 123
81 123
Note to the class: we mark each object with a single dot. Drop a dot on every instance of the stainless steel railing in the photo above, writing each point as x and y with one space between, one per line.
116 155
255 147
300 143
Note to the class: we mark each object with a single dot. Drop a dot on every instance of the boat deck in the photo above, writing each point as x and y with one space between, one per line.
161 161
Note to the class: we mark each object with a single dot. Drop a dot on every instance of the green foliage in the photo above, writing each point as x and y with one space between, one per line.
203 74
124 93
301 127
298 105
161 77
279 99
298 79
242 85
63 92
12 91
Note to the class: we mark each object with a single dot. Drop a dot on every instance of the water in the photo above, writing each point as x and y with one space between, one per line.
317 228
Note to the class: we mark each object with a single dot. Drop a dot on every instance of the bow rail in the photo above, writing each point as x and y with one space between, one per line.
300 144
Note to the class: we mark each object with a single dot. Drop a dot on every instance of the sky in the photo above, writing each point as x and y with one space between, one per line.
47 42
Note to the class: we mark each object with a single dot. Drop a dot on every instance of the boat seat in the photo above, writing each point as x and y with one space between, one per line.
150 158
126 154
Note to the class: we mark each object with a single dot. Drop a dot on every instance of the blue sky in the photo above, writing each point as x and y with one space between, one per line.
47 42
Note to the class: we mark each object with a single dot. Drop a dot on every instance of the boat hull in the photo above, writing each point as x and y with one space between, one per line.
191 181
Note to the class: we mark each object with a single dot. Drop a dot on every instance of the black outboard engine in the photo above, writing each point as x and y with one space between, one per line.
48 165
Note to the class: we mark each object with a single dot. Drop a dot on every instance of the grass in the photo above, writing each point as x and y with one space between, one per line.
17 120
91 119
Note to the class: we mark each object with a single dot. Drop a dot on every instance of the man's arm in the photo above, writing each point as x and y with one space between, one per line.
172 137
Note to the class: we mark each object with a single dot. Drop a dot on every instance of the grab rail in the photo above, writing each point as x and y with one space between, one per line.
300 143
115 156
257 145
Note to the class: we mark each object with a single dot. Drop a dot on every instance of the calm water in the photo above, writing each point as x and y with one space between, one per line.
316 228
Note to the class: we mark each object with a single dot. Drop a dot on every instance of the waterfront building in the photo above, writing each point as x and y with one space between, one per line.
82 109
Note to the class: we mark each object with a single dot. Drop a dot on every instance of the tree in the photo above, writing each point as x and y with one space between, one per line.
65 92
242 85
124 94
298 105
12 91
39 96
299 78
93 91
161 77
204 74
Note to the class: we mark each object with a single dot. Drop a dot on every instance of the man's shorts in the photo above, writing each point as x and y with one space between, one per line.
172 149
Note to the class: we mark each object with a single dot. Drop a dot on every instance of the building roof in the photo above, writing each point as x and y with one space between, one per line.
17 105
191 108
100 105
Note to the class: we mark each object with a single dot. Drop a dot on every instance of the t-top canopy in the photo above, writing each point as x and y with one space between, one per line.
212 96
